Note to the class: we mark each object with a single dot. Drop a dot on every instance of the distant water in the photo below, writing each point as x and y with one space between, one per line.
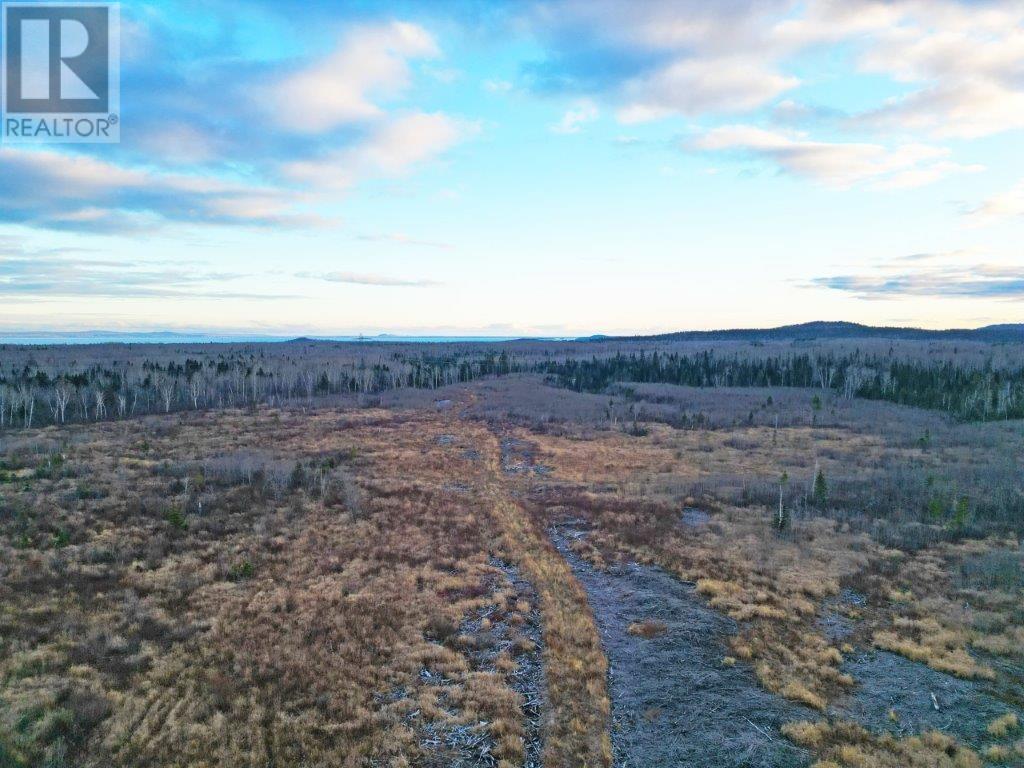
188 338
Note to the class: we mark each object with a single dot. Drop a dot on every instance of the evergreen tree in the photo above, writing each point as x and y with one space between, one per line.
820 490
961 514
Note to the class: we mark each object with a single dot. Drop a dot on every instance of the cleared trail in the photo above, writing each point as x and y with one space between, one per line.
674 701
615 699
575 668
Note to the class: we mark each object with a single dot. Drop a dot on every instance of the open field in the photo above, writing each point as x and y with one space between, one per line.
512 384
494 570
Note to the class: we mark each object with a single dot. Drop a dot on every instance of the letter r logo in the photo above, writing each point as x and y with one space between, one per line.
57 59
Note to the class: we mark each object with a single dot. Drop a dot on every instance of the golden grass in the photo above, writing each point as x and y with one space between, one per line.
849 745
293 627
310 654
575 665
1003 726
775 586
998 753
686 456
648 628
934 651
772 586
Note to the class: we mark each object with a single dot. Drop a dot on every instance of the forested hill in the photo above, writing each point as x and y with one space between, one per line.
819 330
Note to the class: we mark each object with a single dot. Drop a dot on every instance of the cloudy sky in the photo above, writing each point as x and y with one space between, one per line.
549 167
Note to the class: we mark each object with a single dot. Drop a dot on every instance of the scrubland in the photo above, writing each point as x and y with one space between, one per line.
943 592
278 588
335 584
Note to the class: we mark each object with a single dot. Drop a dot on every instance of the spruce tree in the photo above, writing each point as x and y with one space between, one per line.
820 490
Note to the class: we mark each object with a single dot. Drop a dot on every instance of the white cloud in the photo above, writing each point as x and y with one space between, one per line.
667 57
390 150
985 281
357 278
54 189
370 62
667 26
952 109
835 164
574 119
497 86
700 86
294 156
960 60
928 173
63 175
30 275
964 61
403 239
179 142
1006 205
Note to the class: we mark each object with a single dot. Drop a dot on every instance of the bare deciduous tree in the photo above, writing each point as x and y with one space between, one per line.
27 396
61 398
166 386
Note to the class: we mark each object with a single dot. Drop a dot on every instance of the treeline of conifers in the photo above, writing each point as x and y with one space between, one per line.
968 392
36 396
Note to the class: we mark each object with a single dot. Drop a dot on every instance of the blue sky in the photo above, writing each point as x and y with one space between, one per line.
546 168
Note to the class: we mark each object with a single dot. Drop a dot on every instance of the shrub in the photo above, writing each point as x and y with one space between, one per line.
297 480
241 571
440 628
176 519
86 493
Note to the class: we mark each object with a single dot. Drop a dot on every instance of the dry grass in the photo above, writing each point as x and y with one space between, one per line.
775 585
197 602
284 626
1004 726
935 618
935 646
649 628
173 591
772 586
847 744
575 665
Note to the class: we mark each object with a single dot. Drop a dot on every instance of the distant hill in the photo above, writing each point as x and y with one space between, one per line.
1010 332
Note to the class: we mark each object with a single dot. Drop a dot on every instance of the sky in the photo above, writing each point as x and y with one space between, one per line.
556 167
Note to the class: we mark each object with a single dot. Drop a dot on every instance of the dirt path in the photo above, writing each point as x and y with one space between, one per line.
527 679
674 702
575 668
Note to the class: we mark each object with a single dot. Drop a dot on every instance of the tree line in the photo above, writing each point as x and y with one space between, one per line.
36 395
968 392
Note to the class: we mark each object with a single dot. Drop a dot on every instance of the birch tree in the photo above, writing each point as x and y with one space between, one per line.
27 396
61 398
